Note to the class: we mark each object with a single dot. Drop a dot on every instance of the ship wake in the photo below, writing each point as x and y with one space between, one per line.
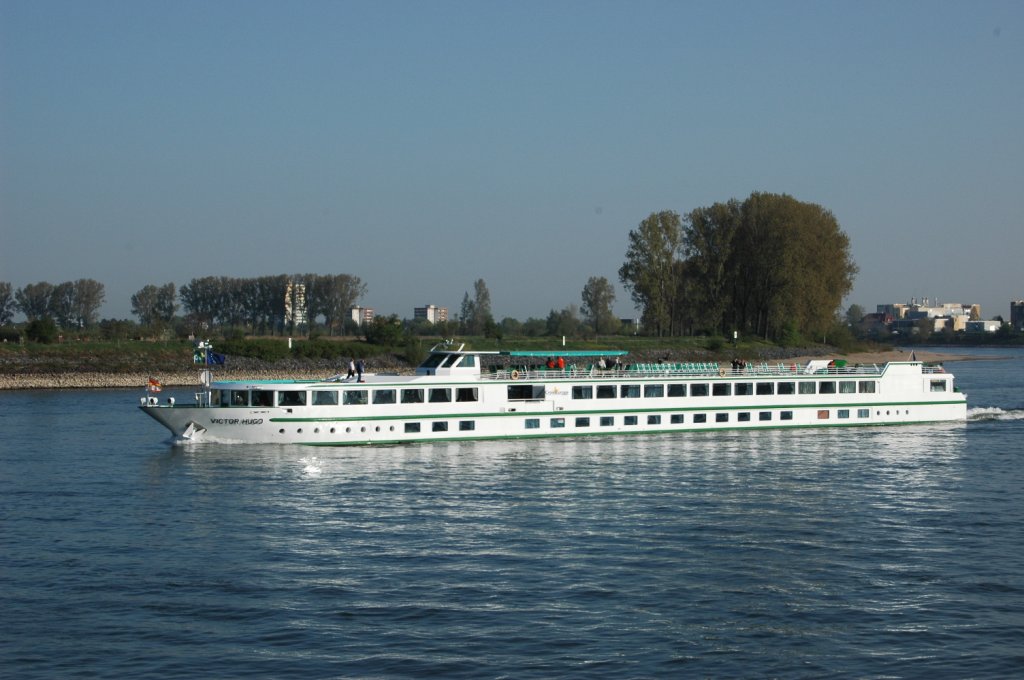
994 413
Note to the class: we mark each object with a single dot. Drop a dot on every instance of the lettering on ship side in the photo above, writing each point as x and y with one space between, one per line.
236 421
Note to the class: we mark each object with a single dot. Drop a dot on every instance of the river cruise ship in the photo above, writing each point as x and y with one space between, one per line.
459 394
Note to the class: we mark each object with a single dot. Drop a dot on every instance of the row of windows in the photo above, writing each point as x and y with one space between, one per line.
738 389
267 398
609 421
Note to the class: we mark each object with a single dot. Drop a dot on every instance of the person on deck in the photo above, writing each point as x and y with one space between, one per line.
360 366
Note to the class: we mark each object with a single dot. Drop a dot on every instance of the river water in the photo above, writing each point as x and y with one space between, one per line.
869 552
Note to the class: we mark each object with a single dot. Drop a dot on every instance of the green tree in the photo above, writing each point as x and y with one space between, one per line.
155 305
475 316
654 249
598 297
7 305
707 278
89 296
33 300
564 323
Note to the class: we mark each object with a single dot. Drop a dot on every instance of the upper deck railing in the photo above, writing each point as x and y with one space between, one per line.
686 370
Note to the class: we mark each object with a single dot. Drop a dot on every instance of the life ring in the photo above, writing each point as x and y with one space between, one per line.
721 372
515 374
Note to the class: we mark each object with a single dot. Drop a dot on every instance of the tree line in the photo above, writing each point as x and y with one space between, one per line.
768 266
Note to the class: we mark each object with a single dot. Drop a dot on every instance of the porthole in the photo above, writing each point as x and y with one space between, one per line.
362 429
332 430
281 431
377 429
299 430
316 430
348 429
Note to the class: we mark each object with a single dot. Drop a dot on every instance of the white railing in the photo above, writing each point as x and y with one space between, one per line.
677 370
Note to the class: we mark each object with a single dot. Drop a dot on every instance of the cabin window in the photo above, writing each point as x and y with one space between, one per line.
699 390
519 392
262 398
412 427
677 419
439 426
786 415
743 389
325 398
607 421
700 418
654 420
582 392
467 425
629 391
239 397
412 396
721 417
808 387
215 398
354 398
439 395
629 420
468 361
291 398
938 385
583 422
467 394
764 415
743 417
606 391
843 413
677 390
866 387
384 396
786 388
558 422
823 414
433 361
721 389
533 423
847 387
765 388
827 387
863 413
654 391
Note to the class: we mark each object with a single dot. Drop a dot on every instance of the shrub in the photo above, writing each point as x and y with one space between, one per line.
42 330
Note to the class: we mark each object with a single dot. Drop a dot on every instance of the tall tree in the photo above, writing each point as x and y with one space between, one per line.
332 296
708 244
33 300
654 249
155 305
7 305
89 296
475 316
598 297
62 304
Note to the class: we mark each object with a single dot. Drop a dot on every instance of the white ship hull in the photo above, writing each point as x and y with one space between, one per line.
462 403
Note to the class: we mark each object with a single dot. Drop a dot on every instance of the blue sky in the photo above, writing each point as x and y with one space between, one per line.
424 145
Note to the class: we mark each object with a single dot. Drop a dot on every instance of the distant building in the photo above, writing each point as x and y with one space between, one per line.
952 316
295 310
1017 314
361 315
989 326
430 313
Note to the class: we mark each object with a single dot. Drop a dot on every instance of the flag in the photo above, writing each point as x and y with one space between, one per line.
154 385
215 358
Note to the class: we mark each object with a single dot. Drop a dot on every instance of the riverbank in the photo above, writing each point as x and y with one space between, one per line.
73 380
